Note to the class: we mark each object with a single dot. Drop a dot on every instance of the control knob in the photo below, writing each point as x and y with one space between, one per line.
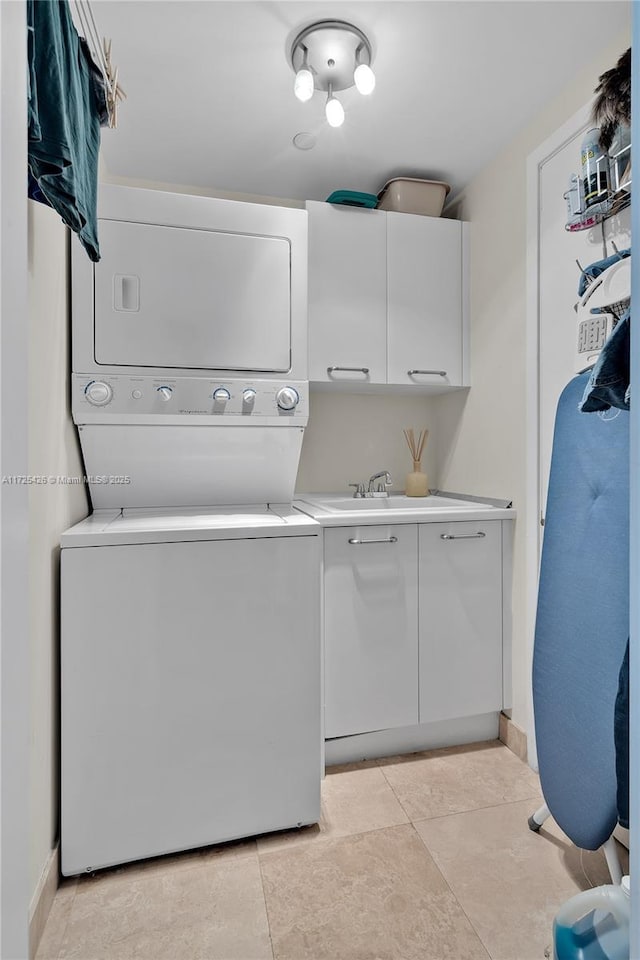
287 398
221 395
165 393
249 396
98 393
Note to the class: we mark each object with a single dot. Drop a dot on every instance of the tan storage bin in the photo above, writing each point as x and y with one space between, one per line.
409 195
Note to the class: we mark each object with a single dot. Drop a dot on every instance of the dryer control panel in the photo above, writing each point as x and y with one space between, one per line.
163 400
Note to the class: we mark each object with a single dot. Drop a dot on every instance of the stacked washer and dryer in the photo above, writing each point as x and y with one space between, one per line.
190 640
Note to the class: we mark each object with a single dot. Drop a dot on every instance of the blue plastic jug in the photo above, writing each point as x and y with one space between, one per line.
594 925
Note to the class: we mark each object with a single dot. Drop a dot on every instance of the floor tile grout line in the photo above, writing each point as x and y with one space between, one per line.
453 894
461 813
289 848
266 905
404 810
486 807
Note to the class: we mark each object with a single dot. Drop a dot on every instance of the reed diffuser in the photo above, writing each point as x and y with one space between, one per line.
417 484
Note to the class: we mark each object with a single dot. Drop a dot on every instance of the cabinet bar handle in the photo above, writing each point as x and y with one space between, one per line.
437 373
348 369
382 540
462 536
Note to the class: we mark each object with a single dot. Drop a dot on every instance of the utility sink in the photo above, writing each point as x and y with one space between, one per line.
339 510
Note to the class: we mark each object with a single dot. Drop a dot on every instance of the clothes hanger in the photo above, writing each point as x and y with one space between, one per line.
101 54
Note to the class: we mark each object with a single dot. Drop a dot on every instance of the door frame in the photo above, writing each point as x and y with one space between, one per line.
535 162
634 560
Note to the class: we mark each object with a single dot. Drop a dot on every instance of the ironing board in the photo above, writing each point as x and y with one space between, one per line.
582 622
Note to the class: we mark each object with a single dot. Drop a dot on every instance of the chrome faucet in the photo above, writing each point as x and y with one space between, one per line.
381 487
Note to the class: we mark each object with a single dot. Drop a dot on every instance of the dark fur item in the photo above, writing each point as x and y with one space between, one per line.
613 103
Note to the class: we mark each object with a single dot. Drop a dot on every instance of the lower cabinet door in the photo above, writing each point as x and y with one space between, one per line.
370 628
460 593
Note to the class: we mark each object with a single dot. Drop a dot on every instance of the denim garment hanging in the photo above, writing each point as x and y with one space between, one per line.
608 385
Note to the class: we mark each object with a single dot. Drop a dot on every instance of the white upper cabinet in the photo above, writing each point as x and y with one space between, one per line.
387 298
424 300
347 294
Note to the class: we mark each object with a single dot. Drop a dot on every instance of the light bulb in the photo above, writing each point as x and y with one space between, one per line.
334 112
303 86
364 78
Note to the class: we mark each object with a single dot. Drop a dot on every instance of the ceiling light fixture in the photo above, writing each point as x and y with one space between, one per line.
331 55
365 79
334 111
303 86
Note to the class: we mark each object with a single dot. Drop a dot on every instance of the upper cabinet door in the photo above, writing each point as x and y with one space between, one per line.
347 294
425 300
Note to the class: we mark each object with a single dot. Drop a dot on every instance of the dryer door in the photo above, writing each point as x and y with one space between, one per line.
194 299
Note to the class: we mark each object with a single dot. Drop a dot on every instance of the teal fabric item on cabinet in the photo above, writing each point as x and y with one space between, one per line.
63 120
582 622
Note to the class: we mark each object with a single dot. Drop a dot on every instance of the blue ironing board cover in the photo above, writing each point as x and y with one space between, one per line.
582 622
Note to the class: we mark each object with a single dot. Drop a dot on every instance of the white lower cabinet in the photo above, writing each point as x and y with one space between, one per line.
460 600
413 623
371 628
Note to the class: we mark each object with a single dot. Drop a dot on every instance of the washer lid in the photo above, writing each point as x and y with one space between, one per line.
167 525
176 467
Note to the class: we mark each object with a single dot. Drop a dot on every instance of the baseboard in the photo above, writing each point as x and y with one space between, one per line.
622 834
426 736
513 737
42 899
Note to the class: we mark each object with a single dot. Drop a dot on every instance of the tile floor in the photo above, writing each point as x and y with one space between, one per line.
419 857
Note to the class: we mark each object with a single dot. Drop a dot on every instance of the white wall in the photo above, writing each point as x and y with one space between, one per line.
482 436
352 436
53 452
14 667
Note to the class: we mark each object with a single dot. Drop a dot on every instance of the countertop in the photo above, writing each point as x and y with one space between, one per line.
342 509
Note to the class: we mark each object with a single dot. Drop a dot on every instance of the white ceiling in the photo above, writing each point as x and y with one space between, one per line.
210 89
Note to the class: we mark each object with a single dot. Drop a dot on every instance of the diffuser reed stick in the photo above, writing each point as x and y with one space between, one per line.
416 447
416 484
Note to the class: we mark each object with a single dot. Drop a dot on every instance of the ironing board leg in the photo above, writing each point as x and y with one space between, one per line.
538 818
613 861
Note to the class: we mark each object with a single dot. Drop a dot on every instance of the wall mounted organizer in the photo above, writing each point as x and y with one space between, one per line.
601 190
